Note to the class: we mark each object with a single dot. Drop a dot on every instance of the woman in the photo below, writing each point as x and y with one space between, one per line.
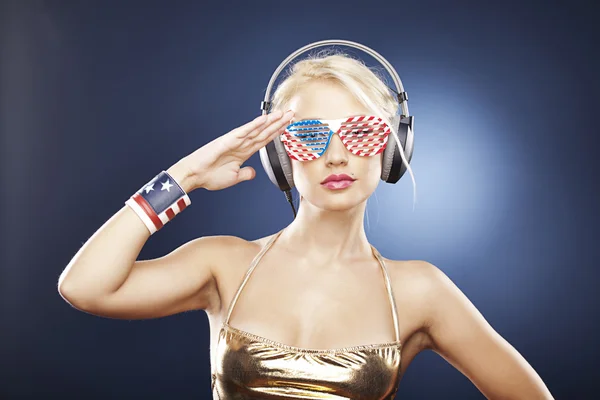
324 315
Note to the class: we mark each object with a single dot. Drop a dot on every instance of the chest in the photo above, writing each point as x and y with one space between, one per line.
310 306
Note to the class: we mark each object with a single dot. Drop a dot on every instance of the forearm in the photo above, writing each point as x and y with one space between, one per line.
105 261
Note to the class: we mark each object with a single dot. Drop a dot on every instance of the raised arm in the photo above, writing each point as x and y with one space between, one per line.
105 279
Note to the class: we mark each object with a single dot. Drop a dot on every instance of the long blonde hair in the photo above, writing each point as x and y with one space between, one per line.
364 83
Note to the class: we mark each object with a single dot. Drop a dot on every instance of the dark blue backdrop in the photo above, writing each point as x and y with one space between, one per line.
99 96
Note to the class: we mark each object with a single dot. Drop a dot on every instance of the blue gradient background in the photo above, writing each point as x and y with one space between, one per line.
99 96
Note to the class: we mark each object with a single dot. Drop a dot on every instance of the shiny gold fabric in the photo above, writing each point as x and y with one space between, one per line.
249 366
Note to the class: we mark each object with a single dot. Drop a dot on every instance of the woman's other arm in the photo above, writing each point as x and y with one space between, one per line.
461 335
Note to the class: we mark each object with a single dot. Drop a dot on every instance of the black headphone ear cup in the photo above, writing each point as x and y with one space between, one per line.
388 158
407 125
285 162
277 164
392 166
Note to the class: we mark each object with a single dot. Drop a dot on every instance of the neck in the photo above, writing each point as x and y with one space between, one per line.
330 235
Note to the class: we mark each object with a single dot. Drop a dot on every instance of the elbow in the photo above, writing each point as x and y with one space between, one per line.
74 295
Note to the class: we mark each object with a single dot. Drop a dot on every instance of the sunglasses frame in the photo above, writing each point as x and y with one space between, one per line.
357 121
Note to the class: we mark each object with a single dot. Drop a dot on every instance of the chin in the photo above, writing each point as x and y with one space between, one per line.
338 200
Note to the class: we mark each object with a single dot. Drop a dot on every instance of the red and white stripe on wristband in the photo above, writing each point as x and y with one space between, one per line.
159 201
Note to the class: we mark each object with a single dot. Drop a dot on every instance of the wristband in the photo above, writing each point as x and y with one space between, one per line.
159 201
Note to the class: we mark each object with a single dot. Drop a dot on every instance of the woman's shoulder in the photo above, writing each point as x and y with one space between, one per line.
230 246
414 268
418 277
420 281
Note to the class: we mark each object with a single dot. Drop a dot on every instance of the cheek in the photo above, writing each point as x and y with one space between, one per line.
371 166
302 172
373 171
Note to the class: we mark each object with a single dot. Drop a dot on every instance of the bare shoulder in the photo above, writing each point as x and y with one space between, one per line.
229 251
230 256
227 246
223 245
419 274
421 284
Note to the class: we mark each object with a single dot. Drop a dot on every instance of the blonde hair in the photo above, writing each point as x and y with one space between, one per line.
364 83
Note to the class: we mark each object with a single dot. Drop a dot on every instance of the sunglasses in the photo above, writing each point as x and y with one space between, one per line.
363 135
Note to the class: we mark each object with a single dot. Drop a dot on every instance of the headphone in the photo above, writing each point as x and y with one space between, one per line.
275 160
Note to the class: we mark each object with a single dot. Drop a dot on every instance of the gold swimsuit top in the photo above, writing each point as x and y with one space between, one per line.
249 366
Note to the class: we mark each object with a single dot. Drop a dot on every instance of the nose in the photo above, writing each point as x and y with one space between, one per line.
336 152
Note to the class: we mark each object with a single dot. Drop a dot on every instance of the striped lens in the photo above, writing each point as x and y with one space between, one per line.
361 135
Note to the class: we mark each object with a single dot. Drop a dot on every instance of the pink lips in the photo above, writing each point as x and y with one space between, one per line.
337 184
338 181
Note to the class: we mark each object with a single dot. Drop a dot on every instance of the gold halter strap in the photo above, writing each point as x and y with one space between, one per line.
253 265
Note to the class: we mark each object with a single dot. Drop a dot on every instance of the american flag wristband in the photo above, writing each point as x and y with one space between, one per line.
159 201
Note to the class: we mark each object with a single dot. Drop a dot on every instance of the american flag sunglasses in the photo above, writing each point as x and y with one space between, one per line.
363 135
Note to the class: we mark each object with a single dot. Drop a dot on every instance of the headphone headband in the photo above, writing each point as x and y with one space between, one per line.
401 94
